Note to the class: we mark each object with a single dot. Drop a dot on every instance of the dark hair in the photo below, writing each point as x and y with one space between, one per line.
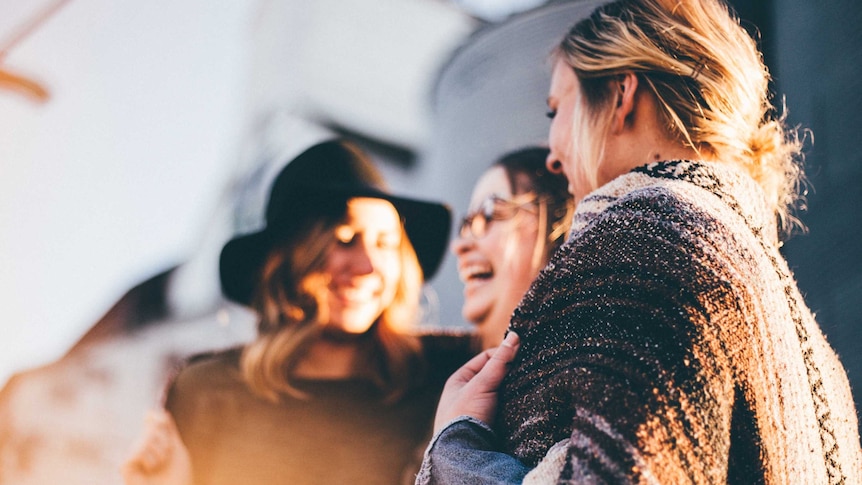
527 173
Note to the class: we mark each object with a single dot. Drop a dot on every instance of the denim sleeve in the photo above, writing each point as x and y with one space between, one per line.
465 452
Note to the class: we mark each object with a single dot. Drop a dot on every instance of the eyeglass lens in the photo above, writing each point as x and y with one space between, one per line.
491 209
476 223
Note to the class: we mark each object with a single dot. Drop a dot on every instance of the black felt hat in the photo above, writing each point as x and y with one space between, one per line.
328 172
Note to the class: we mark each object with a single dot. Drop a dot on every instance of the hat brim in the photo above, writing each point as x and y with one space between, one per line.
427 225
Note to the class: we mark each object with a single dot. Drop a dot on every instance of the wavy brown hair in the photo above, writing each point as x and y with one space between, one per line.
292 317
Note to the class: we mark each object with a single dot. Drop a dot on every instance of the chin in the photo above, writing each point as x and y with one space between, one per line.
475 318
356 328
355 325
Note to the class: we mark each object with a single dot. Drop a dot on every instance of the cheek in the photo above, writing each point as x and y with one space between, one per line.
514 251
562 140
390 269
556 137
334 263
495 242
524 267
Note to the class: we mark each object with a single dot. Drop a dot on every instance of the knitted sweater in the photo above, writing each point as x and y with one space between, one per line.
667 342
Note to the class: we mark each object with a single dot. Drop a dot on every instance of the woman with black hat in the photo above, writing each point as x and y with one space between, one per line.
337 387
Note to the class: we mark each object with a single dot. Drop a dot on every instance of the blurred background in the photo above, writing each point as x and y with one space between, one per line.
137 137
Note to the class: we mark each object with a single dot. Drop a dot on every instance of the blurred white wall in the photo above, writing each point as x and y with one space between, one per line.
114 177
155 107
367 65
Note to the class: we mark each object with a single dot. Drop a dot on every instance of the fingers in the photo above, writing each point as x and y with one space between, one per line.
492 373
160 457
507 350
472 389
154 448
501 357
469 370
165 421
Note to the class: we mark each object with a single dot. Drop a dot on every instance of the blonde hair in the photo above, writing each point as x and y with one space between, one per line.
707 76
292 317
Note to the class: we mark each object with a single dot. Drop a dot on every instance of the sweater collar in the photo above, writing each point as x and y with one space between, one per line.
730 184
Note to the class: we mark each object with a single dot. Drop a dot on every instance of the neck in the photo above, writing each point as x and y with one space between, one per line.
639 136
669 150
492 329
333 359
640 149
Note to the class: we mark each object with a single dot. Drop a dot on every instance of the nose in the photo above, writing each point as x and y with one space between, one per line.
553 163
461 244
362 259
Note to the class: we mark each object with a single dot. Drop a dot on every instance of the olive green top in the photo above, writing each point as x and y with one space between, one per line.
343 434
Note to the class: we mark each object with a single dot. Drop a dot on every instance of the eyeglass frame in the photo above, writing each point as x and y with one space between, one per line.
488 212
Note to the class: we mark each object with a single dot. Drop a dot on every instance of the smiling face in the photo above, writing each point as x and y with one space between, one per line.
497 268
363 266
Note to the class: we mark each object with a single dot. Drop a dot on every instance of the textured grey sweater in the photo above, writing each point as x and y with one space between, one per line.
667 342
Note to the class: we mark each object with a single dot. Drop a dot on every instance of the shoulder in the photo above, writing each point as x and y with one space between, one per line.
652 219
203 374
671 189
648 222
210 365
651 238
694 196
659 203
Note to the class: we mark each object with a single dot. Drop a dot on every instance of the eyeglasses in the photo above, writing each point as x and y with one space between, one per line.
493 208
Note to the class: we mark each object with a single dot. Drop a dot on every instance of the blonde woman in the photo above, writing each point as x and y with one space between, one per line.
338 387
666 341
519 215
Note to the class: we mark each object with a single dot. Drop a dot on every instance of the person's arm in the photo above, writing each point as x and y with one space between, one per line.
160 458
464 448
467 451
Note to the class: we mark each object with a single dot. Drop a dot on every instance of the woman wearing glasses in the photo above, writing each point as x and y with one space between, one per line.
519 215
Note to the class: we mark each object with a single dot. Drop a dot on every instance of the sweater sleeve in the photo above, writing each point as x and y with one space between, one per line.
620 358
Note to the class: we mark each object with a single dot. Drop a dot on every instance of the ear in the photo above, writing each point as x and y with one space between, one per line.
626 85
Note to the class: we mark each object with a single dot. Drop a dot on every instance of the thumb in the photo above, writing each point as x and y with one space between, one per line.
498 365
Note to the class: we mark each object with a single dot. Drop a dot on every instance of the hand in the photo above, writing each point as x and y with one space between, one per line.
472 389
160 458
